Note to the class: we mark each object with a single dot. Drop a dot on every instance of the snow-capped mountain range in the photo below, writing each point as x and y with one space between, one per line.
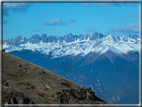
106 63
73 44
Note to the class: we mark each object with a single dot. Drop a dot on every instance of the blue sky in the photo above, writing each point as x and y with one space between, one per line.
59 19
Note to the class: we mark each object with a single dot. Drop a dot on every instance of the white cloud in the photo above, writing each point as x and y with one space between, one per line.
57 21
13 7
54 21
129 28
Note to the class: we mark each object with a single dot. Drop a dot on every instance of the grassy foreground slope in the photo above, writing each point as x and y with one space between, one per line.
26 83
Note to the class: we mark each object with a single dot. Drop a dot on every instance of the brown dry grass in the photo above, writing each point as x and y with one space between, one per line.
34 81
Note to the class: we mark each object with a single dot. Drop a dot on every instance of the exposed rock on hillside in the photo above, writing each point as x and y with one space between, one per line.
11 96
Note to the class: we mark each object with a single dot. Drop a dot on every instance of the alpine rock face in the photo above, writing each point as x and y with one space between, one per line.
106 63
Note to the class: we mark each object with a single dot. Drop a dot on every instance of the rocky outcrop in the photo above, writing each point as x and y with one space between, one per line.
81 96
11 96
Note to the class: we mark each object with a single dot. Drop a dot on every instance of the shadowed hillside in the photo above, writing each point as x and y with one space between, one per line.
26 83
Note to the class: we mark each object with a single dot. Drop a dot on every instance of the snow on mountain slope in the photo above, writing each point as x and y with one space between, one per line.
117 44
5 46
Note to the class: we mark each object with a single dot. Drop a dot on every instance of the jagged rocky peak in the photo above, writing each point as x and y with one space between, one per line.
48 38
19 36
81 37
66 38
96 35
100 35
16 41
21 39
126 38
87 36
117 38
135 36
109 40
60 39
52 38
96 40
112 37
44 38
34 39
69 38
